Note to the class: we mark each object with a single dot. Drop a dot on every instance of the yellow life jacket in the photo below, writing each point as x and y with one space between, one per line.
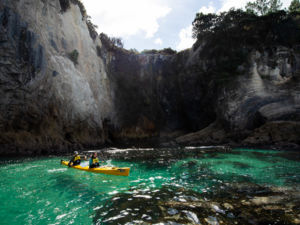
95 160
76 158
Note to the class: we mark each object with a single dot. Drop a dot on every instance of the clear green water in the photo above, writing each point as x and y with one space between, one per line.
41 191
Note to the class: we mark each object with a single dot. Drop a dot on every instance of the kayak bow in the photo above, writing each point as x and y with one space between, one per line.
124 171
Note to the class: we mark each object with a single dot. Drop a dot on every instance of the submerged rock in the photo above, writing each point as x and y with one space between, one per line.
228 206
172 211
212 220
246 208
192 217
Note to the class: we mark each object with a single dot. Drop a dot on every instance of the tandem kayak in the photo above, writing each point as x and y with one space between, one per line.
124 171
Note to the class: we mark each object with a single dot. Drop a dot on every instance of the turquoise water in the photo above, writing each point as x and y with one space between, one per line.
41 191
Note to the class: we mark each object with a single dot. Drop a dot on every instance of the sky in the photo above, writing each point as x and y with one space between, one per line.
154 24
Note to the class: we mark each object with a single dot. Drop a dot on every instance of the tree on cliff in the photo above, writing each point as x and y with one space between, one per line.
213 24
294 6
263 7
117 42
111 42
229 37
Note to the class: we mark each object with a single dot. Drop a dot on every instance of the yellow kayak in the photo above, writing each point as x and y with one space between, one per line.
124 171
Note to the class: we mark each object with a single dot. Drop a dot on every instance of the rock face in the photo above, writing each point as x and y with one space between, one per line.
257 105
158 94
261 102
61 88
47 100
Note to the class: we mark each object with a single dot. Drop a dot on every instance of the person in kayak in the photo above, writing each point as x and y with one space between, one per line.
75 160
94 161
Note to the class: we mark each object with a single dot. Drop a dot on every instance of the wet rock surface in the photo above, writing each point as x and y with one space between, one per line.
284 134
235 204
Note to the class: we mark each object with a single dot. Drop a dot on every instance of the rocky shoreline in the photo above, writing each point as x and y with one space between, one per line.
138 152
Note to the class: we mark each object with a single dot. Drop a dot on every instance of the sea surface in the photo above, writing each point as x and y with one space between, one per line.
41 191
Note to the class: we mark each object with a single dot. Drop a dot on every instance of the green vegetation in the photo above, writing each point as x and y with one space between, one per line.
92 28
263 7
229 37
149 51
73 56
261 24
111 43
133 51
65 5
117 42
81 7
295 6
237 27
165 51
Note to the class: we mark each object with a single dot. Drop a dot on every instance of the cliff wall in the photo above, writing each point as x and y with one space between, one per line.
256 104
61 88
47 100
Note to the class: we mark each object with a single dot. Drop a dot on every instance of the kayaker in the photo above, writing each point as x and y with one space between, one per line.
94 161
75 160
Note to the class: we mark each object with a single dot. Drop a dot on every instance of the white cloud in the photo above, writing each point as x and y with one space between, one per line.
227 4
126 18
286 3
208 9
158 41
185 34
186 40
